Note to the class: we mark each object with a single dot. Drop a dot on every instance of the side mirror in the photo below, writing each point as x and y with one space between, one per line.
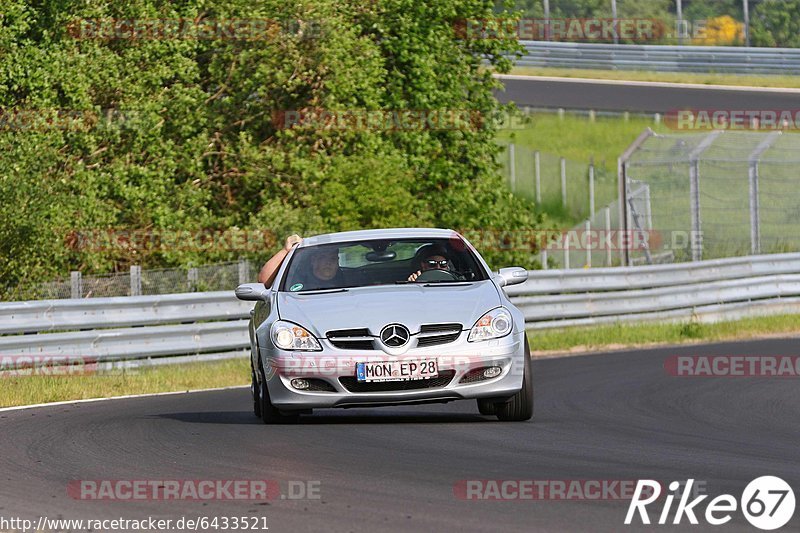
253 292
512 276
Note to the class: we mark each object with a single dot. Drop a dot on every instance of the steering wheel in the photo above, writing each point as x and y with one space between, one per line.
437 275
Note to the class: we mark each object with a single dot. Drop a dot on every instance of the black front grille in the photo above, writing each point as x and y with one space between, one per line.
437 328
474 375
347 339
344 344
353 385
444 334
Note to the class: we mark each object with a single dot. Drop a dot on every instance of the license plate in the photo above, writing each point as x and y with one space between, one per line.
397 370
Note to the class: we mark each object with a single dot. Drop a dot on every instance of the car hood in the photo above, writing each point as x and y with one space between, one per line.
375 307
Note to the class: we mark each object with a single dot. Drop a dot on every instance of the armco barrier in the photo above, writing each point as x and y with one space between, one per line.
214 324
733 59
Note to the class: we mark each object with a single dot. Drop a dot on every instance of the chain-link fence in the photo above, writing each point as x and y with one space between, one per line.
565 189
214 277
718 194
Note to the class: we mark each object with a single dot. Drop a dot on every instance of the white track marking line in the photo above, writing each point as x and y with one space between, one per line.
667 85
126 397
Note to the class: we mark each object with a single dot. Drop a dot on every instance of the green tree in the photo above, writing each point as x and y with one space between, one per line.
181 134
776 23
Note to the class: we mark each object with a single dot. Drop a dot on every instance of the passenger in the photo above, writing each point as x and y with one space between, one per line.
271 267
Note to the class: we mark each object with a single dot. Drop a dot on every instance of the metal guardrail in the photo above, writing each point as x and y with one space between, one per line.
664 58
705 290
214 325
117 312
126 328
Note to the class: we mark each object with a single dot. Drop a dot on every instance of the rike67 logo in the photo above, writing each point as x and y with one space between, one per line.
767 503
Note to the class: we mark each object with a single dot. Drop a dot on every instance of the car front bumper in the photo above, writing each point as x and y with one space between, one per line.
335 369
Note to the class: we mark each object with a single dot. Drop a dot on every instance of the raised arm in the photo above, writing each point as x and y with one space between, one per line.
270 268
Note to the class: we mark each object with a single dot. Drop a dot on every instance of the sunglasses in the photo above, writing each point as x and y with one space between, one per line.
433 263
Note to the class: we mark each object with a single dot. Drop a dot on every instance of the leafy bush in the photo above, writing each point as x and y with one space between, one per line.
776 23
721 31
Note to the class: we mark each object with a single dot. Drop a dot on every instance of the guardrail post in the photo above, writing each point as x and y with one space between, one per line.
622 184
607 221
136 280
537 172
543 257
564 182
546 8
694 193
755 232
512 166
614 18
746 13
193 277
75 284
566 250
694 199
244 271
588 241
591 188
755 217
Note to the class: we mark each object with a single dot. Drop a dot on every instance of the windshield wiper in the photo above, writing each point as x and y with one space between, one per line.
435 282
448 282
322 291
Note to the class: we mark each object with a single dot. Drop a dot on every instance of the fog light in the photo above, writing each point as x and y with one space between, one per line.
299 383
492 372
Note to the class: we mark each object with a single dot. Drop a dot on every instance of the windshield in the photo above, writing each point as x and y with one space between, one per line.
381 262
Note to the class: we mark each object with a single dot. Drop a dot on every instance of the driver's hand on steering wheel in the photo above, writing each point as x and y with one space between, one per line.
415 275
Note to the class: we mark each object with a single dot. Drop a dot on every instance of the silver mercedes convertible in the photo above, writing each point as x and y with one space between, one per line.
387 317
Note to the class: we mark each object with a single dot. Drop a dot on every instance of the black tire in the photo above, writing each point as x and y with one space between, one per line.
520 407
269 413
254 391
487 406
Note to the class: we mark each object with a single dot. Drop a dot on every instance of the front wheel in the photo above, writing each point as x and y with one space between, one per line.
255 391
520 407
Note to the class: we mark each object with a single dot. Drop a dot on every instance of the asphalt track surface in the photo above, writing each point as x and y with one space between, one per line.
615 416
616 96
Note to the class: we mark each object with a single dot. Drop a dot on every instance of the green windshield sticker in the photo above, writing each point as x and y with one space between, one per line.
296 287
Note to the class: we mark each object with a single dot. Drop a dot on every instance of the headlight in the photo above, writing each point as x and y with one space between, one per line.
493 325
288 336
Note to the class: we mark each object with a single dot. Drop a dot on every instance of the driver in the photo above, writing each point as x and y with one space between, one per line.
431 259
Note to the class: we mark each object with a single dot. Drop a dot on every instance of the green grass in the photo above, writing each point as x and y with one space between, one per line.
579 140
791 82
618 336
25 390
